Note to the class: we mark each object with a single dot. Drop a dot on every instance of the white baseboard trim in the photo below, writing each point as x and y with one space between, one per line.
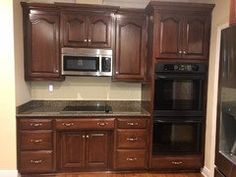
9 173
206 172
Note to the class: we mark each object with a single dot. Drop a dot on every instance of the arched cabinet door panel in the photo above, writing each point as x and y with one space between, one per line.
100 31
74 29
196 38
42 47
169 40
130 49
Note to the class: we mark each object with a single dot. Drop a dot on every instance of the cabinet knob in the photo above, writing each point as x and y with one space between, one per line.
89 40
68 124
56 70
180 52
87 136
36 161
83 136
85 40
184 52
117 72
36 124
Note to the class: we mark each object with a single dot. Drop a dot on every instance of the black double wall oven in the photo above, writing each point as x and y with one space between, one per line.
178 108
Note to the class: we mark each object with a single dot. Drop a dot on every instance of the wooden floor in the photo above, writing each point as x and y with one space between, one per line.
131 175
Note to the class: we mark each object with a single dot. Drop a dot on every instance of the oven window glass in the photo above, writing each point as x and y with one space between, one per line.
81 63
176 138
178 94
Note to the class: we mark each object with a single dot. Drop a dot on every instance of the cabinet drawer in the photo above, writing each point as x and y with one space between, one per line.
98 124
176 163
131 159
36 140
132 123
35 124
36 161
131 139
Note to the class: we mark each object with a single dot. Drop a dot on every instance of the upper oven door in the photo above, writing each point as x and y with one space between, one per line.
80 65
179 92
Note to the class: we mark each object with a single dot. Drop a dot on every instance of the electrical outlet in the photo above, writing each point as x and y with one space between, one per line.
50 88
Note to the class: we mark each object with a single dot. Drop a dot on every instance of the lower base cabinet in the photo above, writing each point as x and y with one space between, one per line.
79 151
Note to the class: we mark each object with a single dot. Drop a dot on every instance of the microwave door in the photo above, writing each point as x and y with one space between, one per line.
80 65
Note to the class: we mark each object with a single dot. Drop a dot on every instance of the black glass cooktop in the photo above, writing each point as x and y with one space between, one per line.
89 109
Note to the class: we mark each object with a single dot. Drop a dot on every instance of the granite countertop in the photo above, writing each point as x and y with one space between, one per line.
41 108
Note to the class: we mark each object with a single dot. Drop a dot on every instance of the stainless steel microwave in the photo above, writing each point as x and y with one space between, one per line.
86 62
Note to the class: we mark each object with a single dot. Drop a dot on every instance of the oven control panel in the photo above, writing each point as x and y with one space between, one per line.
180 67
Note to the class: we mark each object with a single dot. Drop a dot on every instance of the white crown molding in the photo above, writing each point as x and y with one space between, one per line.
9 173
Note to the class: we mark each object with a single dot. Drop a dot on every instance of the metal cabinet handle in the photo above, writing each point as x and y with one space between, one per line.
132 123
177 162
132 139
36 141
102 124
87 136
131 159
184 52
89 40
83 136
36 124
180 52
36 161
56 70
85 40
68 124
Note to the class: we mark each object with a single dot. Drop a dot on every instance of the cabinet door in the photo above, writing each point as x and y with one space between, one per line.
99 31
97 150
42 34
130 49
196 37
74 30
169 36
71 150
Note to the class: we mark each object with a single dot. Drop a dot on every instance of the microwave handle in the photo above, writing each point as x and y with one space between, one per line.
100 63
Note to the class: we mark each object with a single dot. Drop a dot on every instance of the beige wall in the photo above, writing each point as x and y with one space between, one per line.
7 89
219 21
22 87
87 88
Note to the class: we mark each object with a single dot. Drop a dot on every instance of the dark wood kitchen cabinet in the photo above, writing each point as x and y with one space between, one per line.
81 150
182 31
130 45
41 42
86 30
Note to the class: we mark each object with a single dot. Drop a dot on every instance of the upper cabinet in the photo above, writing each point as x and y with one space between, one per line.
232 17
86 30
42 46
130 45
182 31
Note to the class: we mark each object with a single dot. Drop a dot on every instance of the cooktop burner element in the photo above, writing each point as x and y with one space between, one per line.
88 109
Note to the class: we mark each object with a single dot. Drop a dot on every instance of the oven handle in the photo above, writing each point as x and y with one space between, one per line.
180 76
178 121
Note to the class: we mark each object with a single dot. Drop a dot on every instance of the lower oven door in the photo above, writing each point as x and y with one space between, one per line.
177 137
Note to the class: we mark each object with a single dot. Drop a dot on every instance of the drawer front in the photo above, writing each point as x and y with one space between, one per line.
98 124
131 139
36 140
36 162
132 123
176 163
131 159
35 124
